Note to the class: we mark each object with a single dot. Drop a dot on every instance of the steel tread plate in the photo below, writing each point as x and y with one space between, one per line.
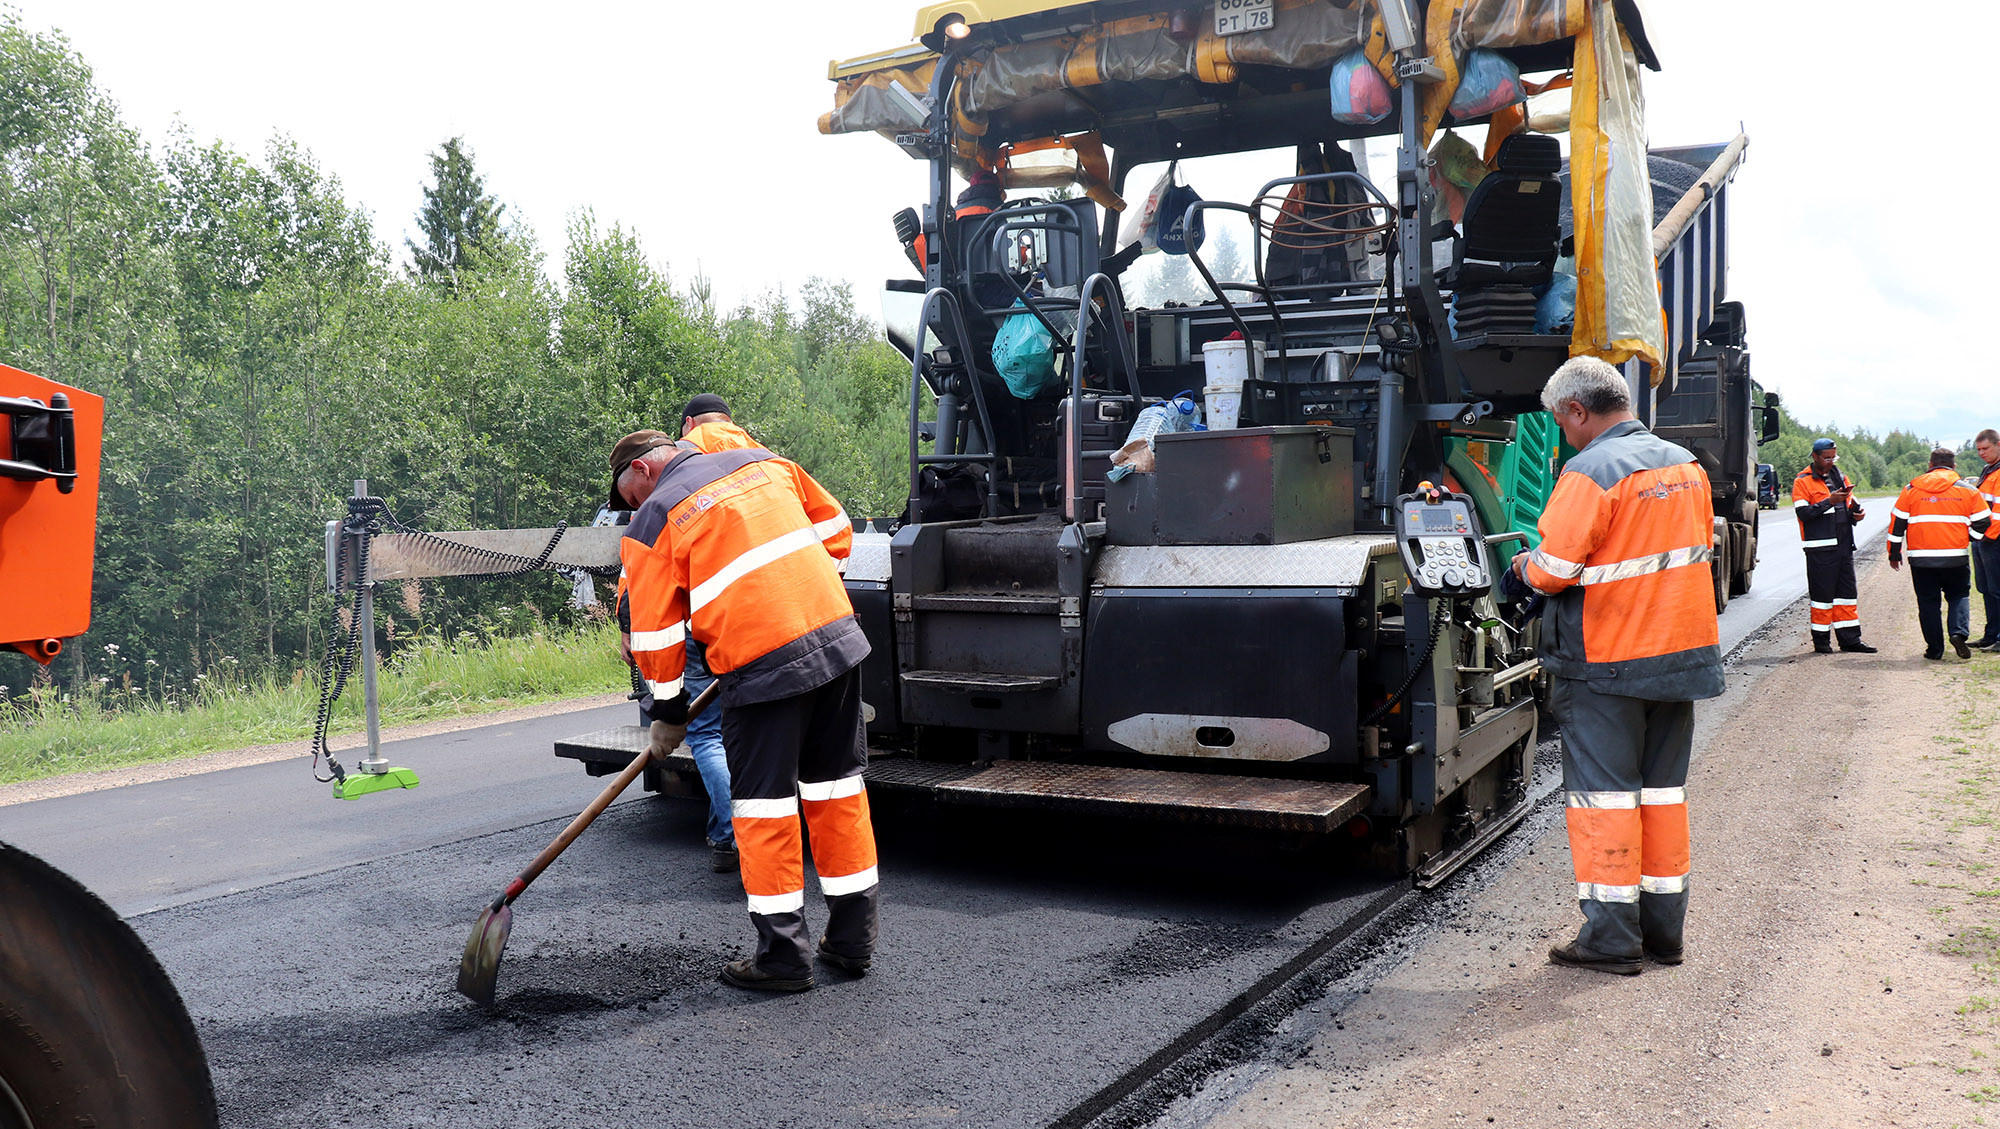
869 558
1337 562
1189 797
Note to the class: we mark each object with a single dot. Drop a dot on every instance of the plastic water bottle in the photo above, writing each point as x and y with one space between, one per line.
1177 414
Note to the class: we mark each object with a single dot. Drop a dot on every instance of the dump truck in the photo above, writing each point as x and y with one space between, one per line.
1290 624
96 1032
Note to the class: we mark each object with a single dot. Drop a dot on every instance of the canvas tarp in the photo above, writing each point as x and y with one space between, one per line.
1618 314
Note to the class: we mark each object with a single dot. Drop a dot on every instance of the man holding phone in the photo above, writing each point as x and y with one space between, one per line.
1824 503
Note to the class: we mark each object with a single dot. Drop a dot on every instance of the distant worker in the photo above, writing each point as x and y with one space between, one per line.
982 196
735 550
1986 550
1827 511
1935 519
706 425
1625 560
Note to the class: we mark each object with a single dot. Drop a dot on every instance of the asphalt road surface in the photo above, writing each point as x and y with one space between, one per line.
1026 966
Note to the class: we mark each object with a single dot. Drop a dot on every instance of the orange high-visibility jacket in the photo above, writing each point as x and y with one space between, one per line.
1989 489
1823 523
736 550
720 435
1625 555
1935 518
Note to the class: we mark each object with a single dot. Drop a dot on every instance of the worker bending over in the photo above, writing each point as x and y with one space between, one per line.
1824 503
1934 522
735 550
1632 646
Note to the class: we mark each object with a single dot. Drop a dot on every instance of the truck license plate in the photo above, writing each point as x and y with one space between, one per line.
1234 17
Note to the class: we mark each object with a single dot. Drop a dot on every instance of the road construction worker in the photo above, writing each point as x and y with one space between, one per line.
1630 643
707 426
1934 522
735 550
1827 511
1986 550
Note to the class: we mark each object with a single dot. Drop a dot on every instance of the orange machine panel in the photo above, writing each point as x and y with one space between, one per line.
48 537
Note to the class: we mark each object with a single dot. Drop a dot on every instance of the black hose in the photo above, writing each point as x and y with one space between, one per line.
1423 663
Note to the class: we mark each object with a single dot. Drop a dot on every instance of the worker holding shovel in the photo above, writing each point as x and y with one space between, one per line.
735 549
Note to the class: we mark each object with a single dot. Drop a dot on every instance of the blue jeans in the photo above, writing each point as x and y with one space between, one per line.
704 739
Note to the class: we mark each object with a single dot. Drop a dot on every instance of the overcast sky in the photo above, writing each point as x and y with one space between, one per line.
695 125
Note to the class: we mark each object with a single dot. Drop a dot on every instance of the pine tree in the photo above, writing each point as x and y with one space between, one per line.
459 221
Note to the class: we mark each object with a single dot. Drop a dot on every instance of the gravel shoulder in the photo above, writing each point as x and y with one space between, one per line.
1843 937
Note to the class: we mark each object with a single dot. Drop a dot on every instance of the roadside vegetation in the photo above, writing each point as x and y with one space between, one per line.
129 720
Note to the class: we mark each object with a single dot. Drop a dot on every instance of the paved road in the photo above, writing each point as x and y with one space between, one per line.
1024 965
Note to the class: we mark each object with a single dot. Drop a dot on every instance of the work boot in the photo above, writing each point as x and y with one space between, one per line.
1663 956
1822 647
745 974
1993 646
1934 656
856 965
1958 646
722 858
1576 956
1858 647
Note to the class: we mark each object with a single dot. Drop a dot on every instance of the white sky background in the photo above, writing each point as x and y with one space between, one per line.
1862 290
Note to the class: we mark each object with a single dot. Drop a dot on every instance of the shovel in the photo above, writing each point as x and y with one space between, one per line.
479 968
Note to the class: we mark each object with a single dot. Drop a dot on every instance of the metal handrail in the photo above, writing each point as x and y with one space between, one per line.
942 299
1086 315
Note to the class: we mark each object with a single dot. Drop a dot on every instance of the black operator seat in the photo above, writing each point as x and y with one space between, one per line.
1511 225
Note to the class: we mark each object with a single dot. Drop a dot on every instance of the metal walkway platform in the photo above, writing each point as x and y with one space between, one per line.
1308 806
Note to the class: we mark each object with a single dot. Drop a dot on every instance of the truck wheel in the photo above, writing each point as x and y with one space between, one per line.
1719 569
1739 581
91 1030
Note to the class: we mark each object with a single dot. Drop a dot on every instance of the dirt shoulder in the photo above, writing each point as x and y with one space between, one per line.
1843 934
77 782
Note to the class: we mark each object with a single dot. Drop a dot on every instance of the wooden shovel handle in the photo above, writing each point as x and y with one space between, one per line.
611 791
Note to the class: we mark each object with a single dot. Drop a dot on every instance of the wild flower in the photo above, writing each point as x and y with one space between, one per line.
111 648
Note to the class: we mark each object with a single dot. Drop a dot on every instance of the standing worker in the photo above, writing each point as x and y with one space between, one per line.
736 550
1624 559
1986 550
1935 519
1827 511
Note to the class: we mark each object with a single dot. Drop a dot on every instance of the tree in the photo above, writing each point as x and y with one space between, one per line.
459 220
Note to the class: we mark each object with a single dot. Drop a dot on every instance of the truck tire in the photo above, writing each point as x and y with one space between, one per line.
91 1030
1719 569
1739 581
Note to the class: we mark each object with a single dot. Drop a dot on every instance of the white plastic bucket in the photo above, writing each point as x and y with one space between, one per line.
1222 405
1230 363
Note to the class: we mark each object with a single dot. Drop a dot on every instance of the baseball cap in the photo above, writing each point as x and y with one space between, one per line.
704 403
627 449
1822 445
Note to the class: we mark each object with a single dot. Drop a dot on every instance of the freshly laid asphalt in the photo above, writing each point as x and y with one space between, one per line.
1025 963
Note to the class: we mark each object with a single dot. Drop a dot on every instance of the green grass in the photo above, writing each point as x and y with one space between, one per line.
48 733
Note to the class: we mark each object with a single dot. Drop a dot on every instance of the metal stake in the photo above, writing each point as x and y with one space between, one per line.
373 762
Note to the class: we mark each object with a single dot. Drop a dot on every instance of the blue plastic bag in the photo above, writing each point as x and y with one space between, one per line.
1360 93
1024 354
1489 81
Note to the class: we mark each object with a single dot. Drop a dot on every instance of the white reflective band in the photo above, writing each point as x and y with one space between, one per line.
1847 603
1602 799
664 691
1935 553
1826 543
1895 539
787 808
831 789
1675 885
1942 519
1822 627
659 640
793 902
748 563
1986 515
1601 892
847 883
1899 513
1823 607
1555 566
833 525
1663 795
1800 503
1647 565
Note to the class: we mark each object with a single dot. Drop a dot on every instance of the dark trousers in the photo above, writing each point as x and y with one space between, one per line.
1625 764
1986 577
1935 585
1830 586
803 755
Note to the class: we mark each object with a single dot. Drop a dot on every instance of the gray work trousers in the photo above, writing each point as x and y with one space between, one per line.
1625 764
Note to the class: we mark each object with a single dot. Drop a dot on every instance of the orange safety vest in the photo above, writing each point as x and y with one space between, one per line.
1823 524
1935 518
1625 553
1989 489
736 550
719 435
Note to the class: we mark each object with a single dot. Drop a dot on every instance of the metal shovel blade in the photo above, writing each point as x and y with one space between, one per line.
479 968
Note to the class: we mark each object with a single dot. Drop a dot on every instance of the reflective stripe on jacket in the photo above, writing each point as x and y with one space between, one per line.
1989 489
1935 518
1823 523
1625 554
736 550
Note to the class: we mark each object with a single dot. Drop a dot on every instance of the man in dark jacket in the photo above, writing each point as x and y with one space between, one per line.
1827 511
